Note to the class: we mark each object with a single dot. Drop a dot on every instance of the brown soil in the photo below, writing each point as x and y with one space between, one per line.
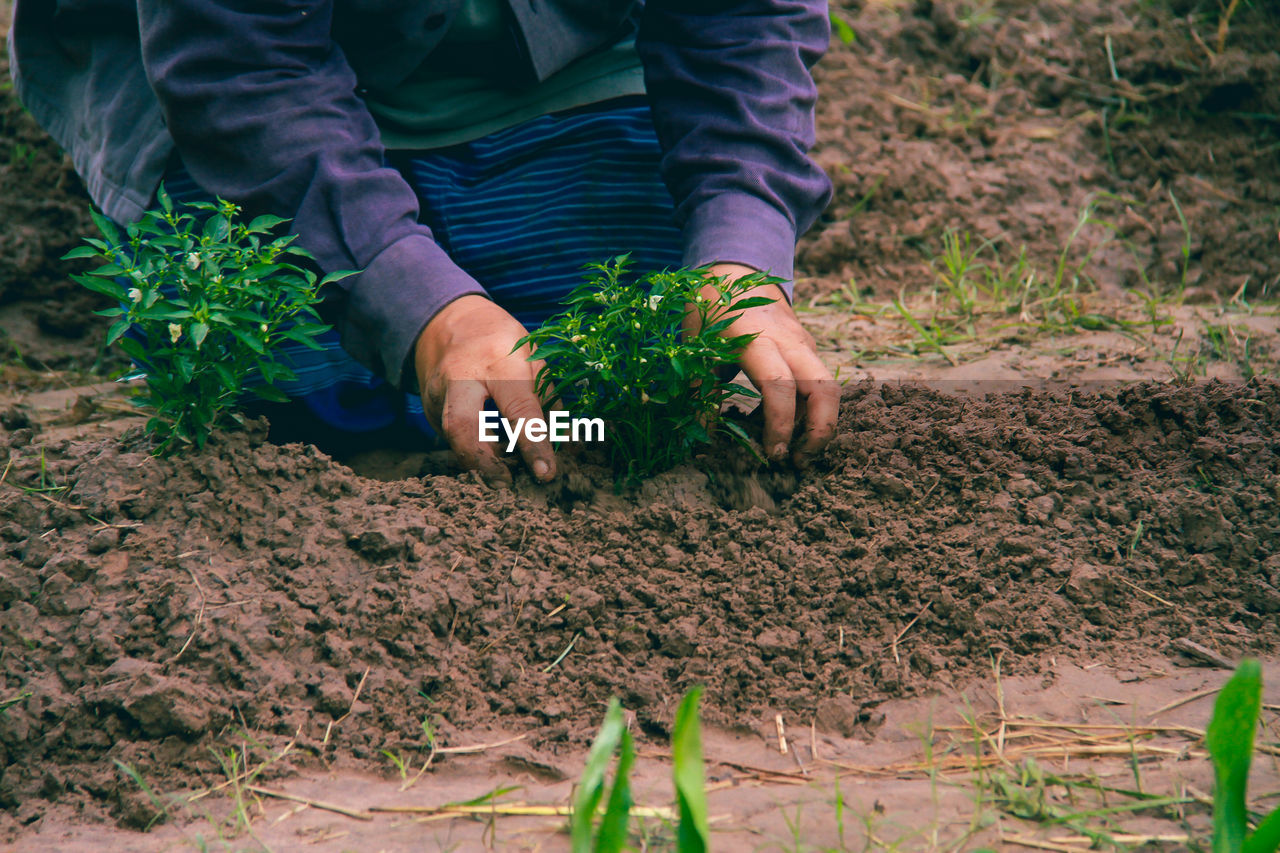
152 606
912 789
44 213
988 118
152 609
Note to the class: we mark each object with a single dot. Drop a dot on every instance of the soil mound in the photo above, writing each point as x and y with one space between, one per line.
149 607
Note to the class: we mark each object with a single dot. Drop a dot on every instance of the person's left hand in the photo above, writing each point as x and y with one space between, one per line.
782 362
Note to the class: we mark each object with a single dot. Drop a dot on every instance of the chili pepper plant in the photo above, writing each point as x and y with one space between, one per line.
205 303
647 355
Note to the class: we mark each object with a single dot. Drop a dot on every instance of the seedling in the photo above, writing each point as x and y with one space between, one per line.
205 303
1230 740
693 833
6 704
611 836
618 353
399 761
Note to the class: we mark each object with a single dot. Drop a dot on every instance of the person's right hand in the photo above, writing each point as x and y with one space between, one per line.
464 357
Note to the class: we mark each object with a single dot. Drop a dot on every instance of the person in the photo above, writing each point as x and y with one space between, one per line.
468 157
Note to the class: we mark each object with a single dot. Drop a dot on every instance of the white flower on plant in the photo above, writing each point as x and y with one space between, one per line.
263 328
193 261
175 332
654 301
135 295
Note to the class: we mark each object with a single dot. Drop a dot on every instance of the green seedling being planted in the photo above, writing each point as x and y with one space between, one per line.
1230 740
205 303
646 356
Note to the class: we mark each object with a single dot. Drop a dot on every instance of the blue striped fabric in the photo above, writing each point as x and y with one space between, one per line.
521 210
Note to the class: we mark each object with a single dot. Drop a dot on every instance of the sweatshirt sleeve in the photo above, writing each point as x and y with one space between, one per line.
262 105
733 101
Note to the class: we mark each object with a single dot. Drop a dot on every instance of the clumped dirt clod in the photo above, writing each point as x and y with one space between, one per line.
156 605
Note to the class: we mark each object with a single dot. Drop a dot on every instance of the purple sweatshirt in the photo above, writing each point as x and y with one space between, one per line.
261 98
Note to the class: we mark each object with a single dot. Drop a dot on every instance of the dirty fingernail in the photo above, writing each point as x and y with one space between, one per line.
541 469
779 451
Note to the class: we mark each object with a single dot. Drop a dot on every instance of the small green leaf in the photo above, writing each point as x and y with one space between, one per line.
248 340
264 223
591 785
694 832
81 252
298 336
737 431
162 311
225 376
185 369
107 287
334 277
1229 738
134 349
198 332
719 326
106 226
612 837
735 388
842 29
216 228
117 330
1094 322
1266 838
751 302
272 394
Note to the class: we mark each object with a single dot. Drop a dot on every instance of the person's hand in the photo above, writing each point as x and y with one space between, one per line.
463 358
782 362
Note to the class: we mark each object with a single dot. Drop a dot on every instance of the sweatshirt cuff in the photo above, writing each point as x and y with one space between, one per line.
393 300
741 229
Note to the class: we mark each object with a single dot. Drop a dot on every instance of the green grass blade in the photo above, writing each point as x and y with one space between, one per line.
162 811
842 29
6 704
613 826
694 834
1230 742
1266 838
486 799
591 785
